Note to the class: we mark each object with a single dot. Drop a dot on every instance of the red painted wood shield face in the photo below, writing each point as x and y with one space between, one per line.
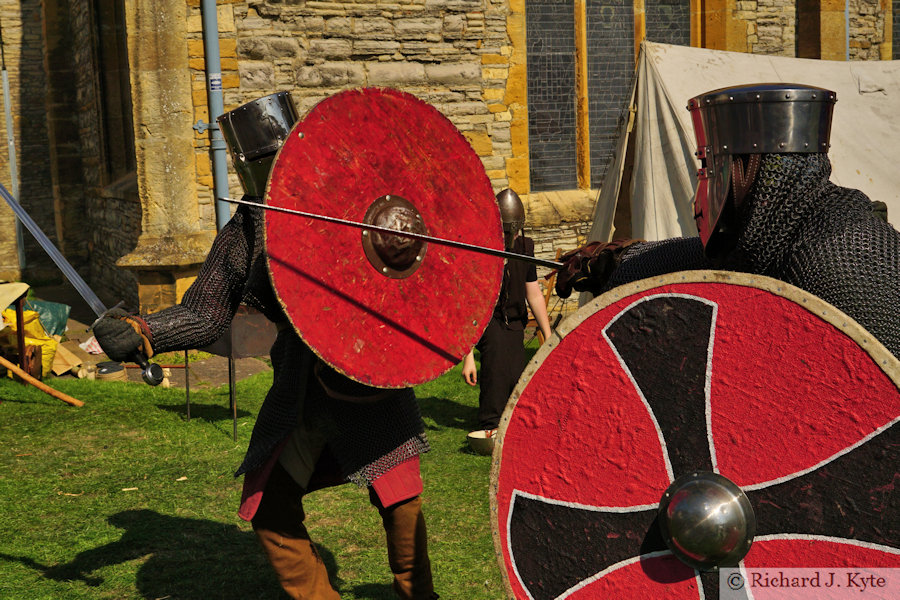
381 310
744 376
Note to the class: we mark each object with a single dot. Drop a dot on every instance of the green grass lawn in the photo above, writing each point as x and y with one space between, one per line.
125 498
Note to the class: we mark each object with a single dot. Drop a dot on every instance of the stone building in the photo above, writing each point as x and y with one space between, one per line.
109 102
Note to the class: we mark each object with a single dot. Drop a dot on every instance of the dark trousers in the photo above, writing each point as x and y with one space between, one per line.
278 524
502 362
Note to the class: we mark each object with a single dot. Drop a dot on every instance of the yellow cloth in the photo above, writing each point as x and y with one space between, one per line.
34 336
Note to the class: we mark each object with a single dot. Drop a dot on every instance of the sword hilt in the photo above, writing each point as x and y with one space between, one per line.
152 373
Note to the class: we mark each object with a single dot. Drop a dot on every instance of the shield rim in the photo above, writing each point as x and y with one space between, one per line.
882 357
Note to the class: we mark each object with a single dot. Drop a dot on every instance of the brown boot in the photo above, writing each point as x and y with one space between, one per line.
299 568
278 524
407 547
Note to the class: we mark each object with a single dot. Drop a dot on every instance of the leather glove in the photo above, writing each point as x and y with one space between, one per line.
121 334
588 268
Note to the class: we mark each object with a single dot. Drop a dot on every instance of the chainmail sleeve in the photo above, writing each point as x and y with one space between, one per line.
799 227
650 259
849 257
212 300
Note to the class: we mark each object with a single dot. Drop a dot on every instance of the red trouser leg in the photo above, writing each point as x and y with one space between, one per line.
278 524
407 548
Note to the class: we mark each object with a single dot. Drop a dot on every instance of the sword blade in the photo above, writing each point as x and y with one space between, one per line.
151 372
74 278
408 234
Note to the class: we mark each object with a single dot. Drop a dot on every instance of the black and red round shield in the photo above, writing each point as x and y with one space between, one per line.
735 374
380 309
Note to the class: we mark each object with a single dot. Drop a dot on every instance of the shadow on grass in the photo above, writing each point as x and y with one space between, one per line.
447 413
191 559
373 591
211 413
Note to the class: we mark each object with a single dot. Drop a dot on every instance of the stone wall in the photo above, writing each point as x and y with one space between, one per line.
866 29
771 27
64 144
11 16
454 54
113 212
98 220
23 40
461 56
50 49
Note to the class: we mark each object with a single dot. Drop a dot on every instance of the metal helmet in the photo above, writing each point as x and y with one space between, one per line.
254 132
512 215
706 520
750 120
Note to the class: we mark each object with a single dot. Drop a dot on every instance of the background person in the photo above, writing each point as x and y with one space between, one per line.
502 345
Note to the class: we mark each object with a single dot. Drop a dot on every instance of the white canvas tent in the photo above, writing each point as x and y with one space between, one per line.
865 138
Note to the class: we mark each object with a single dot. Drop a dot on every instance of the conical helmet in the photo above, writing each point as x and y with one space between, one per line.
512 214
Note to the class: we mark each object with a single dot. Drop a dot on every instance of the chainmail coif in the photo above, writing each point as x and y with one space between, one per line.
367 439
796 226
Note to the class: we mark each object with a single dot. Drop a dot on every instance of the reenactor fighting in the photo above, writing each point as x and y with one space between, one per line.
764 207
724 439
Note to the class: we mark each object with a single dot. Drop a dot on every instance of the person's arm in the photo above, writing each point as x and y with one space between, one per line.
210 303
588 268
598 266
535 298
469 371
207 307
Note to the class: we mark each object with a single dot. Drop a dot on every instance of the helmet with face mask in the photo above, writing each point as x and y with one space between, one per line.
733 127
512 215
254 132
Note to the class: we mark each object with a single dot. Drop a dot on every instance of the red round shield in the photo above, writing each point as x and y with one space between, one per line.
696 371
383 310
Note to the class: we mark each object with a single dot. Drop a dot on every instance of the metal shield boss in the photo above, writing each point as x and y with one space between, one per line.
683 424
386 311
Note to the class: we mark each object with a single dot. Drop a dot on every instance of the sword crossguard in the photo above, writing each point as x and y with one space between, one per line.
119 304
